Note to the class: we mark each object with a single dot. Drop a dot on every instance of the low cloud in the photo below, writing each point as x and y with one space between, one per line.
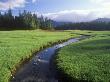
78 15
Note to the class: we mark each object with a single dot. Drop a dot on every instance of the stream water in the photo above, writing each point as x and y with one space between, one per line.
38 69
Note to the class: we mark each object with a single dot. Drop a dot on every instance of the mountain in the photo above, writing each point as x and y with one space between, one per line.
102 20
57 24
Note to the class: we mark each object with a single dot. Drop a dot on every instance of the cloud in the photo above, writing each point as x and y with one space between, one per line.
67 15
12 4
33 1
102 3
78 15
102 10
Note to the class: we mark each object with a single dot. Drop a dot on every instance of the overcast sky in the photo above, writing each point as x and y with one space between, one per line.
61 10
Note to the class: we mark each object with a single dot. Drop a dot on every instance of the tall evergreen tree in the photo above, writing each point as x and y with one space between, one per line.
36 21
48 23
25 20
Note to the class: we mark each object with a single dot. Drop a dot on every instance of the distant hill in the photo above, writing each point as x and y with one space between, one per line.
102 20
56 23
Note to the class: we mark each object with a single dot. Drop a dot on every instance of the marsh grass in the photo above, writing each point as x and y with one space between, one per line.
87 60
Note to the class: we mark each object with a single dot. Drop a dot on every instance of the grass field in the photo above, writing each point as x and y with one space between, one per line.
87 60
18 45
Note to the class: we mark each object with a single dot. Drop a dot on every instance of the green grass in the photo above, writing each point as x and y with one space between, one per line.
18 45
87 60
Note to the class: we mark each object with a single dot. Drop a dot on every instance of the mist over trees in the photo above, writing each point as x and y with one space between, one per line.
25 20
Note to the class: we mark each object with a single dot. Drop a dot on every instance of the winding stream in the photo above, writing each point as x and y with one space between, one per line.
38 69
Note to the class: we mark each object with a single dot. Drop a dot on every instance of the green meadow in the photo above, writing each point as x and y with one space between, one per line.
16 46
87 60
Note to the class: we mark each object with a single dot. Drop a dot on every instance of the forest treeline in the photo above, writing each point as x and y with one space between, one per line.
25 20
28 21
85 26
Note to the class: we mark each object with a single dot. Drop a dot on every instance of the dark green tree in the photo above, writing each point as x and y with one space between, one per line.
25 20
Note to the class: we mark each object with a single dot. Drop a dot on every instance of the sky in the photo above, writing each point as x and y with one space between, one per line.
61 10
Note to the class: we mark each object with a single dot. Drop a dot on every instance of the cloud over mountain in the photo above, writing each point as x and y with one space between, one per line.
78 15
